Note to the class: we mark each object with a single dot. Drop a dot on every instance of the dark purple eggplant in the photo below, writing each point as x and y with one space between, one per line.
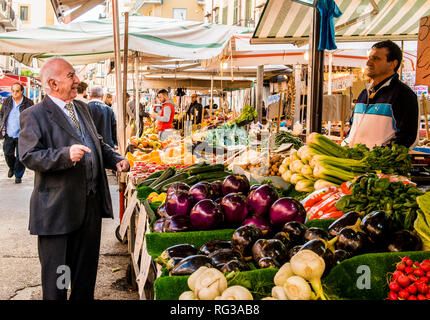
354 242
295 231
244 238
404 240
378 226
269 248
173 262
254 187
315 233
340 255
217 188
191 264
284 238
293 251
176 251
161 211
268 262
178 223
158 225
235 265
348 219
222 256
213 245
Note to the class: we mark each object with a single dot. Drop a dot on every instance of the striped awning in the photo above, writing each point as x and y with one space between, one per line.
286 21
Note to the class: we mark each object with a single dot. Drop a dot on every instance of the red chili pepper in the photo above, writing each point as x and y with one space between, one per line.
318 196
332 215
322 207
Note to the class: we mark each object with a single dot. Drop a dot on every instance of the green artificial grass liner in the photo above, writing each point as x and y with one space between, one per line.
342 280
259 282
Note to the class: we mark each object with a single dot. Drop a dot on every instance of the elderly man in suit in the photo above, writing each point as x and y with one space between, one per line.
58 140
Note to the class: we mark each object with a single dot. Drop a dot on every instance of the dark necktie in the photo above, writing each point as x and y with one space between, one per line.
72 114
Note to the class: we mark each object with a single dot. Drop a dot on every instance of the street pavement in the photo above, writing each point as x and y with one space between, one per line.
19 262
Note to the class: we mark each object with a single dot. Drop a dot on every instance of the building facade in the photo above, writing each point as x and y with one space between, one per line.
243 13
9 21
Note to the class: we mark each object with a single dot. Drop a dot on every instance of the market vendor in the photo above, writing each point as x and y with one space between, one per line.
387 110
166 114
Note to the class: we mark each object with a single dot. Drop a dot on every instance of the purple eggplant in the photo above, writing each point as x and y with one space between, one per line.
284 238
222 256
191 264
176 251
296 231
179 203
214 245
352 241
315 233
405 240
158 225
217 189
177 186
201 190
178 224
259 222
234 206
340 255
293 251
348 219
285 210
235 265
269 248
244 238
260 201
378 226
206 215
235 184
268 262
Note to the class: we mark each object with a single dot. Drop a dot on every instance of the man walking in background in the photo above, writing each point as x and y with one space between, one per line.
9 129
103 117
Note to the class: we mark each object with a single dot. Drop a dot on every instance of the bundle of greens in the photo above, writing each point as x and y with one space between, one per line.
422 223
282 137
227 135
369 193
248 114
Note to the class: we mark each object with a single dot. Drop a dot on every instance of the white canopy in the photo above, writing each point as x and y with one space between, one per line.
92 41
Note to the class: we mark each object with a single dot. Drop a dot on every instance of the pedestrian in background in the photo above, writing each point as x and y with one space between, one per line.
108 100
103 117
71 194
82 92
10 128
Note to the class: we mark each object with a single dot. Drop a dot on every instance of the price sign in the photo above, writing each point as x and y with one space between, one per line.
423 54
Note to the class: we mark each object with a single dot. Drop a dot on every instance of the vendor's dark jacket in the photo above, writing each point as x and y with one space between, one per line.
104 120
388 113
57 204
7 107
191 109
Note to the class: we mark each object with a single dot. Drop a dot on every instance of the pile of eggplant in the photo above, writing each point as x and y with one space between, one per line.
346 237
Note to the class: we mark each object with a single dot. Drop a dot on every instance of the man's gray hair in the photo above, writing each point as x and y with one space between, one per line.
96 92
47 72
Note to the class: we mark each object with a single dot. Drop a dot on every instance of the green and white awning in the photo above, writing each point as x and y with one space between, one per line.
286 21
157 39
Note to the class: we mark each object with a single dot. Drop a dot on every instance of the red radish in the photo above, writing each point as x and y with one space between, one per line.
409 270
412 298
422 288
409 263
421 297
403 281
424 279
403 294
412 289
428 295
425 266
428 274
419 272
394 286
397 274
412 277
401 266
392 296
404 259
417 264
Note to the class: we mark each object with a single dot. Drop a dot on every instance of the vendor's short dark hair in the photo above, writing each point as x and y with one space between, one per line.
19 84
82 87
394 51
162 91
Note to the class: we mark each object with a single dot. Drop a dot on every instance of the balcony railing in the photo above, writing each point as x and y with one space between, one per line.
7 16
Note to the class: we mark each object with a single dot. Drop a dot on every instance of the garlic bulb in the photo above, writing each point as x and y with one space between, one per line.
236 293
210 284
187 295
193 277
279 293
297 288
283 274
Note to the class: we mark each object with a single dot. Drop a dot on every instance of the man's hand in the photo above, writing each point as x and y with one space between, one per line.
123 165
152 115
77 151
